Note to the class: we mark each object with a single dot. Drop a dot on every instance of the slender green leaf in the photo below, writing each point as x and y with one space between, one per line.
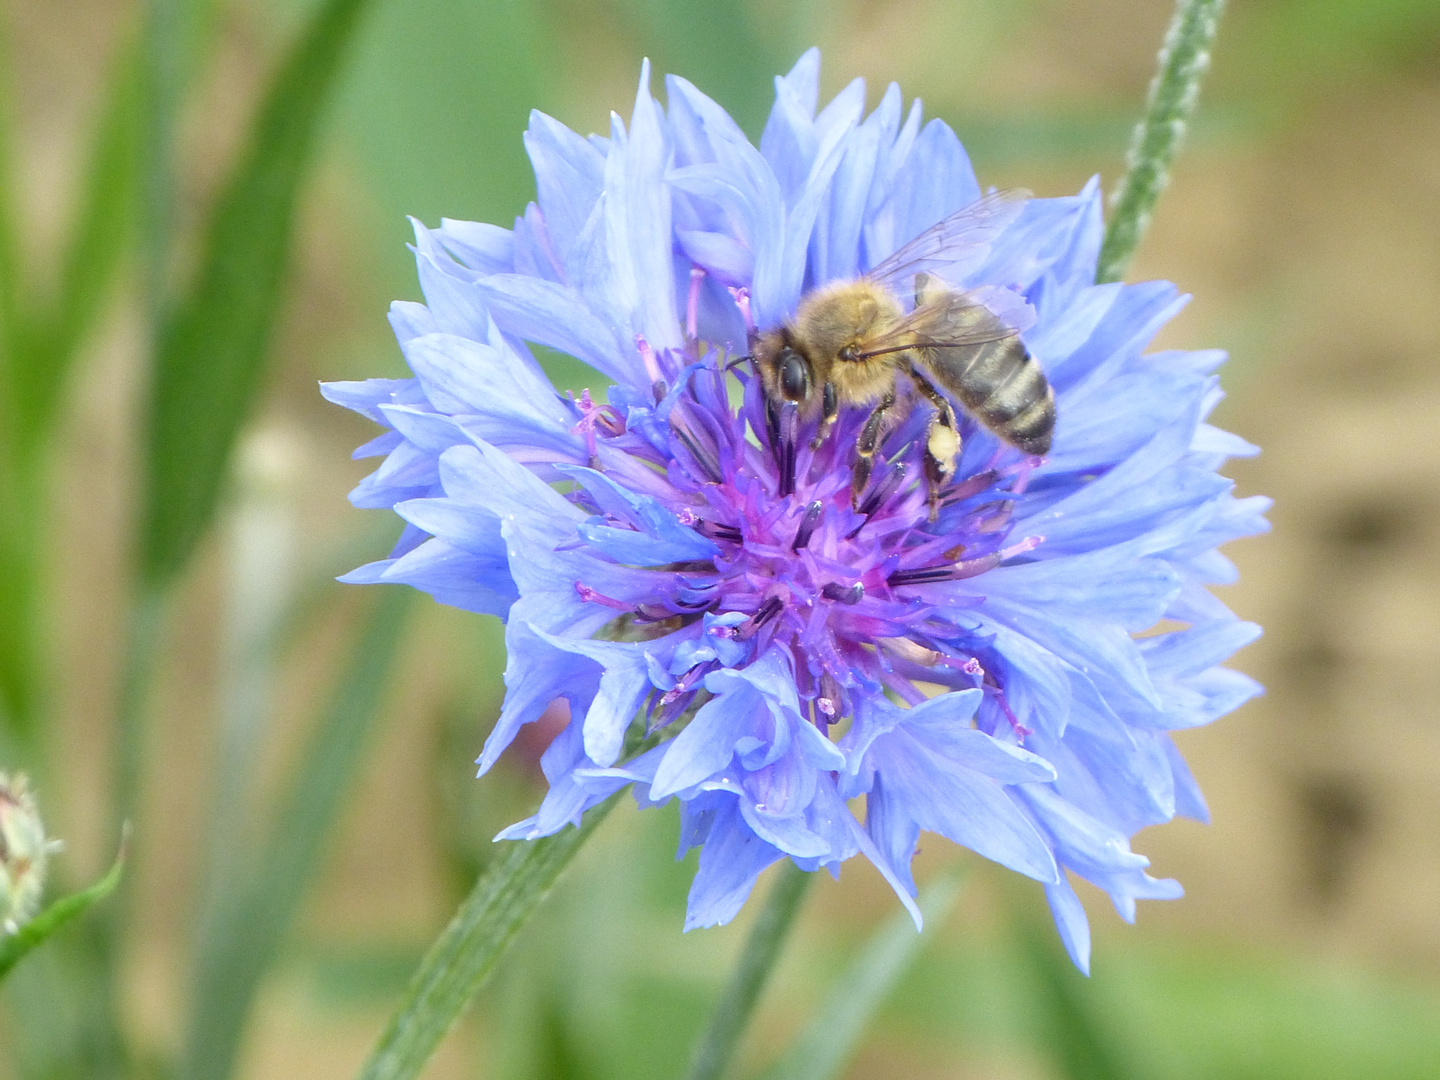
16 532
14 946
211 352
1076 1041
9 257
1184 59
242 937
461 959
762 948
829 1041
100 230
40 349
21 552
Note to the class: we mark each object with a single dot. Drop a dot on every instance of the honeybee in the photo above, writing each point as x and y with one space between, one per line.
849 340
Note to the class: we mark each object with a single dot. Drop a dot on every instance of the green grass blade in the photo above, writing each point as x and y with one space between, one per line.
21 552
38 930
829 1041
241 939
461 959
9 257
1184 59
100 233
211 352
1073 1037
757 959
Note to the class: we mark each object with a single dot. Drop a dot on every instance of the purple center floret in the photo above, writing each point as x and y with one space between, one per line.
844 585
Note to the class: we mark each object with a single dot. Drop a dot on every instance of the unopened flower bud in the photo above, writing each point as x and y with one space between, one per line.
23 852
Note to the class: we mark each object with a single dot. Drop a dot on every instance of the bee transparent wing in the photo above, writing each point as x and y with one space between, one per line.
951 320
954 246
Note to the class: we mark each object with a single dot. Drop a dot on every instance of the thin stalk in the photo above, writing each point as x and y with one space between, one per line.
162 39
142 652
732 1015
461 959
1184 59
824 1049
142 648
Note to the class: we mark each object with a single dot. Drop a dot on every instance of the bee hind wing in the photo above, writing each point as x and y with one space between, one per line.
955 245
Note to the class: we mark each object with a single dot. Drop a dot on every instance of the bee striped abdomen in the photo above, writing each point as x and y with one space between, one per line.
1002 386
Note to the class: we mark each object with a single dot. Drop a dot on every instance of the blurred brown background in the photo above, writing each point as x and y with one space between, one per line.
1304 215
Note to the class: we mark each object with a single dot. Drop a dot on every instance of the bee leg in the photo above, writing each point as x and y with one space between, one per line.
865 447
830 409
942 442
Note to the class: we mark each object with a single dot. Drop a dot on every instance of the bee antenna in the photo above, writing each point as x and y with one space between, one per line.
738 361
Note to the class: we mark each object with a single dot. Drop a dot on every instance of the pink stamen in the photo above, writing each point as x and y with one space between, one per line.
651 361
1020 730
1026 470
742 301
590 596
593 416
1030 543
692 305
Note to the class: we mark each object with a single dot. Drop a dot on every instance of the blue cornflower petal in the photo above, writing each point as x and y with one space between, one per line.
948 778
552 315
983 662
1070 920
933 182
732 858
482 247
569 178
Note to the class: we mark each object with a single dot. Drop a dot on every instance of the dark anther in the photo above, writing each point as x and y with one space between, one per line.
658 389
828 703
808 523
843 594
970 486
715 530
789 429
688 681
879 495
695 599
884 488
958 571
703 457
767 611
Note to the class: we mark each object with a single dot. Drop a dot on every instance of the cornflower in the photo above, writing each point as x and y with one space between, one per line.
816 673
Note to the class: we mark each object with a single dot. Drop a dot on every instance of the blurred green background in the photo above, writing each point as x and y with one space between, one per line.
1304 215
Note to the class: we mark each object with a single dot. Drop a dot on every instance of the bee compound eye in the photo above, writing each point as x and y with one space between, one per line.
794 375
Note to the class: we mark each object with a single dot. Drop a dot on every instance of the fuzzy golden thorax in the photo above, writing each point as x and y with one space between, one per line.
830 323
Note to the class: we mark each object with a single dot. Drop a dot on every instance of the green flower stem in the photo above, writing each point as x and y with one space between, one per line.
826 1046
245 923
465 953
39 929
1184 59
762 948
